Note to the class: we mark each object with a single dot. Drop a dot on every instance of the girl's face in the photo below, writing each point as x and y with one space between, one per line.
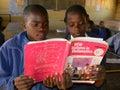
36 26
76 24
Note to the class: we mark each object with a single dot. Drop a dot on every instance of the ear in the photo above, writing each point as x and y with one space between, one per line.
24 26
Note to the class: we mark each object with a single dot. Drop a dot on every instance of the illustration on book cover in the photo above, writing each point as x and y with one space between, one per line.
81 69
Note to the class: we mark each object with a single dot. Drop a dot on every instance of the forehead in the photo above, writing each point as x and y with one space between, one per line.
36 17
75 16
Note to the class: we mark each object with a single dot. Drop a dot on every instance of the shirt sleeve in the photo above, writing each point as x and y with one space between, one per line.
6 78
111 41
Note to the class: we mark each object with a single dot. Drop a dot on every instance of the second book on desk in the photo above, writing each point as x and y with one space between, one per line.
51 56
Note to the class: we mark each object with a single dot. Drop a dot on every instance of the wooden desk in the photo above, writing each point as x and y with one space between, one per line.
12 29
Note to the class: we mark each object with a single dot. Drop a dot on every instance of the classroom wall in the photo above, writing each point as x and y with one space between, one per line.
106 10
101 9
4 9
56 19
4 6
117 17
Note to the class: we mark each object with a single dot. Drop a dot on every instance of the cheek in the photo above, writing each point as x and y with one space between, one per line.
83 28
86 26
71 29
46 29
31 32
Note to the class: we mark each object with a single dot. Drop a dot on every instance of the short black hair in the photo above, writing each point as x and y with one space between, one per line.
75 8
33 8
91 22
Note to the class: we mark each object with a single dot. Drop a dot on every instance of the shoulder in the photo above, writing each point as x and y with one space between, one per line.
116 36
114 39
16 41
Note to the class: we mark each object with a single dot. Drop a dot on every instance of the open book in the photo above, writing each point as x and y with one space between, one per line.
78 56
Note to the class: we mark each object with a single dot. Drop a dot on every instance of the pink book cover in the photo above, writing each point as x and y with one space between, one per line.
45 58
88 48
84 56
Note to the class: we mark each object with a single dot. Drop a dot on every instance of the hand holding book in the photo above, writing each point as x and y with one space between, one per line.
52 81
24 82
94 73
100 77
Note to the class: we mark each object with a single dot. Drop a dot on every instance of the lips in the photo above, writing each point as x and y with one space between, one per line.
77 34
40 36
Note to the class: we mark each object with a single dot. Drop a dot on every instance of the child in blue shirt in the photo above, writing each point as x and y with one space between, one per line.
36 26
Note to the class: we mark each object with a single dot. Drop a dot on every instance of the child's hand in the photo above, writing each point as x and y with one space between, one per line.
101 72
52 81
66 81
49 82
100 76
23 82
97 73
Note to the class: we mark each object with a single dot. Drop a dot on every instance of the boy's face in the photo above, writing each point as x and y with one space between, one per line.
76 24
37 26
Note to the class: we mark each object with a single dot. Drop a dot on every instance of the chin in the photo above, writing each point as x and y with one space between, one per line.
40 38
77 35
80 35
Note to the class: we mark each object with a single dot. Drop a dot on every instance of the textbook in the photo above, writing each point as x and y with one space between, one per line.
78 56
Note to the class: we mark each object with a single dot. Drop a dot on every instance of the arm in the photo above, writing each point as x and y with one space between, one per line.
11 66
6 78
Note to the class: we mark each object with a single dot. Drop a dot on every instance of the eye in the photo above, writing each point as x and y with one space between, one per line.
70 24
81 23
34 24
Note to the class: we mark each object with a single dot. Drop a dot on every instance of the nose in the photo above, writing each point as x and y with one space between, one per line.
40 28
77 27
